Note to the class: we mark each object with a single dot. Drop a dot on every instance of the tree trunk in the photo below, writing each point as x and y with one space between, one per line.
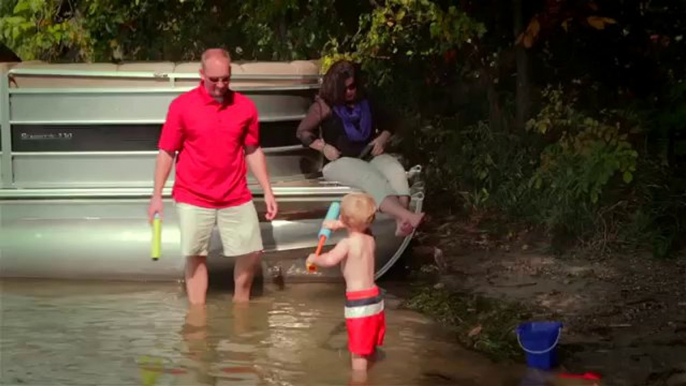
522 92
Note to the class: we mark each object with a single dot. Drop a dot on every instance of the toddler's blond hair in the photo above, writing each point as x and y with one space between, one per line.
358 211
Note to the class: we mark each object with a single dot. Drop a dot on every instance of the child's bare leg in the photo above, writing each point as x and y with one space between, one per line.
359 362
359 371
358 378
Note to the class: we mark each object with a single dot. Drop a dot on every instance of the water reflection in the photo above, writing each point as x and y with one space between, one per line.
134 334
218 348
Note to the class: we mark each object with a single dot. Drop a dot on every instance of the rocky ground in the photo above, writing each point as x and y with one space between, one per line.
624 315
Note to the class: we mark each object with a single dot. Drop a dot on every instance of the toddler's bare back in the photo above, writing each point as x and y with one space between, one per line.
358 266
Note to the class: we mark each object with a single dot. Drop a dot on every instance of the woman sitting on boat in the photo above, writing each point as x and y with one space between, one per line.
354 134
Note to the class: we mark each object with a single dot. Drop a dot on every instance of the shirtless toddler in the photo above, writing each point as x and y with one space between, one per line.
364 306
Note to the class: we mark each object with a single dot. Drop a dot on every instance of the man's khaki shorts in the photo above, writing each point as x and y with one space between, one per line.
239 229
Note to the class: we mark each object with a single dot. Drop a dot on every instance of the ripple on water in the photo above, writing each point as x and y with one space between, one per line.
66 333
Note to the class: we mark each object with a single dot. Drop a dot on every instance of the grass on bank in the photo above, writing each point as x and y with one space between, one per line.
479 323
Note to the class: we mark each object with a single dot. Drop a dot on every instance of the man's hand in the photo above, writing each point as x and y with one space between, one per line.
272 208
380 143
156 206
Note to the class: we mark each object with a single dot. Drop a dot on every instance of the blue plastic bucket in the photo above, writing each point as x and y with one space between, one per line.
539 341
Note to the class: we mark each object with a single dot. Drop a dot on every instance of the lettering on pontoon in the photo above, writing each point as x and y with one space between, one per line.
38 137
121 137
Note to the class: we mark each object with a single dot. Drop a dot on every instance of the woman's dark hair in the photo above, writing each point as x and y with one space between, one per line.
332 90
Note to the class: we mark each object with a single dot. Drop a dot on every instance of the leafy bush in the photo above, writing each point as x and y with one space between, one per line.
585 157
578 177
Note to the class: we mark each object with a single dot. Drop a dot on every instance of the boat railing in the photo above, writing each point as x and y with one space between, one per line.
305 81
154 74
43 110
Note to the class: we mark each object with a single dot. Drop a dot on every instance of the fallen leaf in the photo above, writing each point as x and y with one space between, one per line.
598 22
565 24
528 36
519 39
475 331
440 260
534 27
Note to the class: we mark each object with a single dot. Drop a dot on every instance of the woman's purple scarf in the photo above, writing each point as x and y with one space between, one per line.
358 122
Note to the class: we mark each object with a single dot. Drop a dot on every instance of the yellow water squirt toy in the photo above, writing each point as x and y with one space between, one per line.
156 250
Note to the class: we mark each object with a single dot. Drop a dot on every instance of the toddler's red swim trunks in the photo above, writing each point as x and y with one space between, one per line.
365 319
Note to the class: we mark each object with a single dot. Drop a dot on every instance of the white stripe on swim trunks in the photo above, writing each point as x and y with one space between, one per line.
363 311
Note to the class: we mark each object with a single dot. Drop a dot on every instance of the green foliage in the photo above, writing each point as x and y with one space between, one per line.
578 177
286 29
41 29
587 154
335 56
654 214
484 169
399 32
105 30
576 169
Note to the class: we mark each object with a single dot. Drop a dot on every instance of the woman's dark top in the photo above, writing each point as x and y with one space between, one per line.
333 132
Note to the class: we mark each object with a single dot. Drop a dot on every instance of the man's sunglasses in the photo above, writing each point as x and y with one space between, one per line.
214 79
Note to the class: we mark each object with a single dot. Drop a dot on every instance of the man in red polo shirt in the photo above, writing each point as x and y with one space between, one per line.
215 131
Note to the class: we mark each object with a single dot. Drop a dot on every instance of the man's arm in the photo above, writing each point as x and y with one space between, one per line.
334 256
254 155
163 167
257 162
170 142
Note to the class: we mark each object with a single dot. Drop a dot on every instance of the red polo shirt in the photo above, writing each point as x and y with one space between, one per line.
210 137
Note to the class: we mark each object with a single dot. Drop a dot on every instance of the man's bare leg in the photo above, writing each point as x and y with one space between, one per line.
196 279
243 275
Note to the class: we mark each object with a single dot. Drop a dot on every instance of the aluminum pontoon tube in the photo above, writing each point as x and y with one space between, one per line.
78 148
109 238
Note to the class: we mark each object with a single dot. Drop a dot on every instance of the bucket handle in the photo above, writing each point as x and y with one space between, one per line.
559 332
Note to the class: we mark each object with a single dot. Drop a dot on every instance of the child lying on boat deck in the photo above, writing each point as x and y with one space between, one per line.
364 306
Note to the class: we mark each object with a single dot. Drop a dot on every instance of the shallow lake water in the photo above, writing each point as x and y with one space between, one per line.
82 333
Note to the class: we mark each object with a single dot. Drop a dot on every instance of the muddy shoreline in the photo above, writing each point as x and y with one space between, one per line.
624 314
